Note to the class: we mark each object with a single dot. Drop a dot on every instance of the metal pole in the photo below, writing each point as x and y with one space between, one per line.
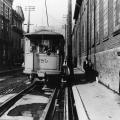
87 28
69 59
28 25
94 33
29 9
66 42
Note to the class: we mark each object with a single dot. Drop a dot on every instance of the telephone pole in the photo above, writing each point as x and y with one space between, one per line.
29 9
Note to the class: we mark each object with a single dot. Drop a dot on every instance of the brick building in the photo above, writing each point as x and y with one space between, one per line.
96 34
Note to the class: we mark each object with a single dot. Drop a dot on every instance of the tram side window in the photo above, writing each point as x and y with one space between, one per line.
55 47
44 46
32 47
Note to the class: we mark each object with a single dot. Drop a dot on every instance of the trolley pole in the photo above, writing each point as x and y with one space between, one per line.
29 9
69 39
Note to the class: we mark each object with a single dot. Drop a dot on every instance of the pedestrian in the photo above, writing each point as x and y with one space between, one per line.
86 68
85 64
92 73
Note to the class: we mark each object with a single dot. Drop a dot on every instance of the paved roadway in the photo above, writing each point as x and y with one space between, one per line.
11 84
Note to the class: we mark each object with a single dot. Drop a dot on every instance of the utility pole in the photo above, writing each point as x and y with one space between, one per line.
65 30
29 9
88 13
95 34
69 38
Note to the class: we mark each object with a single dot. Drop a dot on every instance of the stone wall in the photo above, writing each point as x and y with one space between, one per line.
108 65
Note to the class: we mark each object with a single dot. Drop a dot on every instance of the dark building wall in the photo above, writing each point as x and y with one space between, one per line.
11 33
17 36
5 30
102 41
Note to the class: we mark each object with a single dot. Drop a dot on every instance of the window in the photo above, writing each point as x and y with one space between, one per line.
83 36
97 21
10 14
6 12
2 25
105 17
1 7
116 14
7 27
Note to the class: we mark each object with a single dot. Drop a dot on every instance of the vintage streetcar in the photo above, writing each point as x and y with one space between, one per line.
43 56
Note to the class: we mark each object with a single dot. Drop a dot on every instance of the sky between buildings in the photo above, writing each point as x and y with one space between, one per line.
57 11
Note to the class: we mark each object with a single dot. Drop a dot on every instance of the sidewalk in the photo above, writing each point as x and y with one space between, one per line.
96 102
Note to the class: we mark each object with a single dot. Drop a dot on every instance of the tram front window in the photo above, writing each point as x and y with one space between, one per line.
46 47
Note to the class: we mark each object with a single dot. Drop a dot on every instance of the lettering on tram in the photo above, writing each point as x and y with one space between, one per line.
43 61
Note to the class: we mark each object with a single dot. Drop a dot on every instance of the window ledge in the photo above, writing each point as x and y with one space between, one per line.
105 38
116 32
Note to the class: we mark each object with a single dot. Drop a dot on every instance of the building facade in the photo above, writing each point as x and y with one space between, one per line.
97 35
17 36
5 30
11 34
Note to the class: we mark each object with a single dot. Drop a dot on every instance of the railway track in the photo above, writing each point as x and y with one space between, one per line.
12 88
8 103
34 102
40 103
70 112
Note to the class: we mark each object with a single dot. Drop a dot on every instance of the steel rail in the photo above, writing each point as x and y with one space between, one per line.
49 110
66 113
7 104
70 112
70 104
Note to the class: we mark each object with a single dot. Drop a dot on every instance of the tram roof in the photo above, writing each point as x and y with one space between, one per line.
44 35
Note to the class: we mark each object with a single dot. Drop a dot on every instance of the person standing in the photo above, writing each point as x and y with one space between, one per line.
86 68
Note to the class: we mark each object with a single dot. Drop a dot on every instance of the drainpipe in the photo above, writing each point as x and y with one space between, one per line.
87 28
94 34
69 59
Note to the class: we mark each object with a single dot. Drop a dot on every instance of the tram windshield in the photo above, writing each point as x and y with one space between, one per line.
45 46
46 41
